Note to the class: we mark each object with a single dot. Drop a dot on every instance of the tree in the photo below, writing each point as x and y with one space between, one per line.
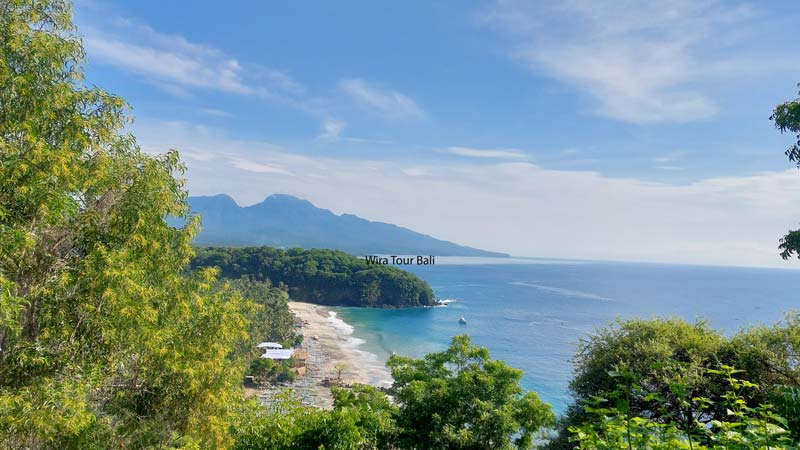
105 339
742 428
668 361
787 119
362 419
462 399
654 354
339 368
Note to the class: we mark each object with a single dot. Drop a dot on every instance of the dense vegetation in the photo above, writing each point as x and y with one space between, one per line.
327 277
105 339
272 320
638 385
109 339
455 399
668 372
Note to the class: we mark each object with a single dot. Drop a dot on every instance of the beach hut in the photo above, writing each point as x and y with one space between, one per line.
271 345
275 354
300 355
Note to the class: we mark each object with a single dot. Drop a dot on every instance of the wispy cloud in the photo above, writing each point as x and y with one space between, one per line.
494 153
216 112
165 58
383 101
416 171
649 61
177 65
331 129
668 157
254 166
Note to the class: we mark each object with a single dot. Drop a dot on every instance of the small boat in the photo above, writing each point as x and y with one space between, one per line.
462 320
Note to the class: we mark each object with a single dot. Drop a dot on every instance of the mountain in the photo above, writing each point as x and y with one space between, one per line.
286 221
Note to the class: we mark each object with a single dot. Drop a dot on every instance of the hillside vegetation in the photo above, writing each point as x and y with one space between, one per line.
327 277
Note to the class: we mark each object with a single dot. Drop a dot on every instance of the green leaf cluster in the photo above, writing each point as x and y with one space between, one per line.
360 420
742 428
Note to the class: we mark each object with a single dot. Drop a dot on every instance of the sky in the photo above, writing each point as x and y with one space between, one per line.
611 130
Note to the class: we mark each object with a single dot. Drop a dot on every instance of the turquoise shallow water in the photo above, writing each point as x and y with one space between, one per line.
530 313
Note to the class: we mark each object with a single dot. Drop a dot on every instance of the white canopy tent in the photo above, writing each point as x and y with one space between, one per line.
272 345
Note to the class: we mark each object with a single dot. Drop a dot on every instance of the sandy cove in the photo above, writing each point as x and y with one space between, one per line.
335 338
329 343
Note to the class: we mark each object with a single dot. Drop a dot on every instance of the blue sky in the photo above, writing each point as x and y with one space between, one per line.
611 130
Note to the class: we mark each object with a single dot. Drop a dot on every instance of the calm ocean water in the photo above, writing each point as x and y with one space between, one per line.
530 313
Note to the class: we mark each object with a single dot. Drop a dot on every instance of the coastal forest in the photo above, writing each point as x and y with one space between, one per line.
116 333
326 277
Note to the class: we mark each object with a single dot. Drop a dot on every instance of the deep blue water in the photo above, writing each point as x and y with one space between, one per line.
530 313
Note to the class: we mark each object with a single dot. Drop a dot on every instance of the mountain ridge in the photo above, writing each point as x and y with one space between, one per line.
286 221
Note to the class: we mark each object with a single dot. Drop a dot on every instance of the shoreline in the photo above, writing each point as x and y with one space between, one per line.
330 345
336 340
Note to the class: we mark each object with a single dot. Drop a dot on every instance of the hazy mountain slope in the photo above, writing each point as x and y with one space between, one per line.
286 221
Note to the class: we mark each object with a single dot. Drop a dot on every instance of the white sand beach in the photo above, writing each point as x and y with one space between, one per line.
330 346
321 326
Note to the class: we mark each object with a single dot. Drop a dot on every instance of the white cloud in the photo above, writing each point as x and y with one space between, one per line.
257 167
216 112
416 171
501 153
176 65
165 58
512 206
386 102
666 167
331 129
669 157
649 61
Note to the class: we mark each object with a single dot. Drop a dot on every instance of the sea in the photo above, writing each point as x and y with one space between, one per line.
531 313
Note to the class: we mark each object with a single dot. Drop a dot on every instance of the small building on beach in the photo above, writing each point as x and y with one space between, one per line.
278 354
301 355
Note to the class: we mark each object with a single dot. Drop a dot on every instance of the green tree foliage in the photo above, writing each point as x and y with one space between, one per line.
104 338
743 428
328 277
456 399
462 399
376 414
362 419
786 117
670 360
270 319
267 370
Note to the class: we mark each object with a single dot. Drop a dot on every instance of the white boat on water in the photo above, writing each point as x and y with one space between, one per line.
462 320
